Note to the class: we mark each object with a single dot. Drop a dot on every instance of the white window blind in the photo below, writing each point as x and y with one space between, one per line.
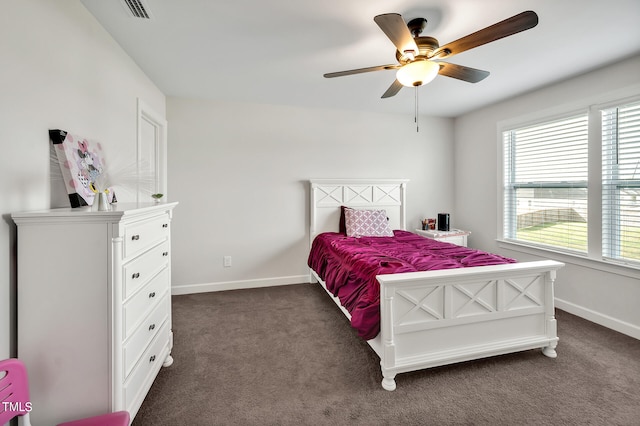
545 186
621 182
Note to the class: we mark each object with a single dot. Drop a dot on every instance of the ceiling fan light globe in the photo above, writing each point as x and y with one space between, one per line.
417 73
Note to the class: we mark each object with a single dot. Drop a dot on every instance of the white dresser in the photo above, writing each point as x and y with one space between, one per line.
94 307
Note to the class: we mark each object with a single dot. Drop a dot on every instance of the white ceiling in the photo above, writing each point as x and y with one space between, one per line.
276 51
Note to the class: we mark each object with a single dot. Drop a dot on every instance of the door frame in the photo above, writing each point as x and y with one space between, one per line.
146 114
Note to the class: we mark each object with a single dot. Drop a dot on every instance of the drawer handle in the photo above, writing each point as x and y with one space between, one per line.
153 358
152 294
152 326
165 225
135 237
166 253
136 275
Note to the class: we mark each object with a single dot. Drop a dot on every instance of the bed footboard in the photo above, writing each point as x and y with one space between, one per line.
441 317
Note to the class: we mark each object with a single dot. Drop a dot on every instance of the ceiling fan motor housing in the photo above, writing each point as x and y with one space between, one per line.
426 46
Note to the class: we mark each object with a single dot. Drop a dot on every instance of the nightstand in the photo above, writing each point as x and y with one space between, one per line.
455 236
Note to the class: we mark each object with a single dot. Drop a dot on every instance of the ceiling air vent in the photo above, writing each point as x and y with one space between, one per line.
137 8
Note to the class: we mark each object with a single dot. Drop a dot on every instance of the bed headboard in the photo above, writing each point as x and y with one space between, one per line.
327 195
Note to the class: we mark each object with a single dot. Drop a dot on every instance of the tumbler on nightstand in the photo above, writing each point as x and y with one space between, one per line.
443 221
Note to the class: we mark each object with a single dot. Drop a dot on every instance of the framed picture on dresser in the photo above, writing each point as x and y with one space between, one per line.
81 162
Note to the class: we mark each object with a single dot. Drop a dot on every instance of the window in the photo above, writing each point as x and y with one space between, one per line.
552 200
545 188
621 182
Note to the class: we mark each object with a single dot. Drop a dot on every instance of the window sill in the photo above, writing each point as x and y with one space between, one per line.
628 270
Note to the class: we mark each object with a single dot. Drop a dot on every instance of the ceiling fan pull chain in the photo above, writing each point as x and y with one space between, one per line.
416 109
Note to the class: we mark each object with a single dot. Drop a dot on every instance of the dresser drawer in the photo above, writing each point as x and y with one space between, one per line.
142 268
135 386
139 236
143 302
144 333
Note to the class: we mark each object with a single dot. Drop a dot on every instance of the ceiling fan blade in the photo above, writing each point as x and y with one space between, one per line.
471 75
361 70
392 90
509 26
396 29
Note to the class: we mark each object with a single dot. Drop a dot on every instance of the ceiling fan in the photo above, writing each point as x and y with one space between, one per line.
419 58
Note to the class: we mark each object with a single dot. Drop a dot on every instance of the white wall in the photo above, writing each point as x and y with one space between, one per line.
239 172
604 297
60 69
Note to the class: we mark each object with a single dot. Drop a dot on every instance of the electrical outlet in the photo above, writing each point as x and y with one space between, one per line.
226 261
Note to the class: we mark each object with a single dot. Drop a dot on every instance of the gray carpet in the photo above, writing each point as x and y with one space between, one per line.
287 356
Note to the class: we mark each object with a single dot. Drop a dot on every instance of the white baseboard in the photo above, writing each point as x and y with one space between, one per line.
598 318
238 285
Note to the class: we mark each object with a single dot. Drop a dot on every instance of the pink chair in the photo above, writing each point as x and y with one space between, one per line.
14 399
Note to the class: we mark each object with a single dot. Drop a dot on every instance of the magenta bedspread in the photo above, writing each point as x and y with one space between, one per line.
349 267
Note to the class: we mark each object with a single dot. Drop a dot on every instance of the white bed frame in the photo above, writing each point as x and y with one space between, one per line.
442 317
